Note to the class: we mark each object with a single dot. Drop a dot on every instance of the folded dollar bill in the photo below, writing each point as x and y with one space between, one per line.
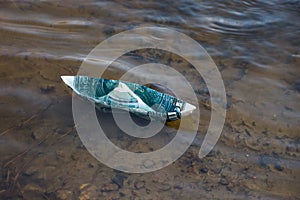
132 97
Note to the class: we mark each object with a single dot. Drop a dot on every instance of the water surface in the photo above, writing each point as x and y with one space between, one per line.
256 47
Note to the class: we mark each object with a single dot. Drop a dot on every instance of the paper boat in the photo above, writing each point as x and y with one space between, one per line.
138 99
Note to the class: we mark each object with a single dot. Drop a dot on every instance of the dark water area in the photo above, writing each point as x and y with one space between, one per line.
256 46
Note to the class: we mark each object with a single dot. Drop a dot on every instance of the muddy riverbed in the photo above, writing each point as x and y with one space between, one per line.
255 45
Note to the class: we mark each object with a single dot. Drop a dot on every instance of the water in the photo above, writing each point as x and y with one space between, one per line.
255 45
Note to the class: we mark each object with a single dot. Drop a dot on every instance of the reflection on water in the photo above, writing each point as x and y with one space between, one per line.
255 44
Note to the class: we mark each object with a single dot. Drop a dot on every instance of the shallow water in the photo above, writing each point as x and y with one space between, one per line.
256 47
